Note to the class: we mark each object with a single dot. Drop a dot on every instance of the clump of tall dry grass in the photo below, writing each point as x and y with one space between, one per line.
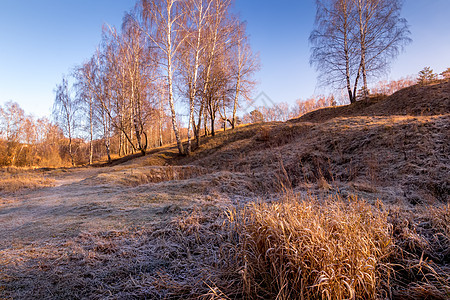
311 249
13 181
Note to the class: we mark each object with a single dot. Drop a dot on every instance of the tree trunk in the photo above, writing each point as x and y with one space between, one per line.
238 86
70 139
108 146
199 124
213 119
70 151
91 144
362 32
170 79
347 63
355 87
236 98
193 90
160 124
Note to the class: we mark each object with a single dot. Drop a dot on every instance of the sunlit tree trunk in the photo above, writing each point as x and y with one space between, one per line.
164 16
91 131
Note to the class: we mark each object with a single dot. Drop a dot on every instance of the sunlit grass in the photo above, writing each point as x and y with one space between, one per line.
311 249
18 180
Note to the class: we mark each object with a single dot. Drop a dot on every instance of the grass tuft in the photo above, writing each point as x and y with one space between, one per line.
311 249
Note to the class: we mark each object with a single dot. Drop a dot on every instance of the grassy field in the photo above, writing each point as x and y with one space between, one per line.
344 203
13 180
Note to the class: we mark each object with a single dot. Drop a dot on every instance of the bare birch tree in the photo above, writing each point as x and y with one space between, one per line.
139 74
382 34
219 40
354 38
64 110
86 99
244 65
196 17
162 21
334 50
94 88
120 79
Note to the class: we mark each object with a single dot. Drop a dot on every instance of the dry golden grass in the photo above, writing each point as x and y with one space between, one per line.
13 180
312 249
184 258
408 154
343 249
422 264
153 174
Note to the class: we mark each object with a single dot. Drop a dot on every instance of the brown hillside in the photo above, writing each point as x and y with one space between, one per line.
413 101
392 147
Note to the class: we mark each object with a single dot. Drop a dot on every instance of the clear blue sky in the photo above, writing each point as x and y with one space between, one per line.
41 40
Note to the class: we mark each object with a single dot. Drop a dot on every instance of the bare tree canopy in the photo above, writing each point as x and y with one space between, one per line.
356 38
204 57
64 110
167 53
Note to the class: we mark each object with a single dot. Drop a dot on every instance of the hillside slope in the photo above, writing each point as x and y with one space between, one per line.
359 191
398 145
412 101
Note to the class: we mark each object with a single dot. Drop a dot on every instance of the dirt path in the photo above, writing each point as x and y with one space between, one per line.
94 225
80 202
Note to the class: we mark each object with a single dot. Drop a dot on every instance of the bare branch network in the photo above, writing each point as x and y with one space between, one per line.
356 39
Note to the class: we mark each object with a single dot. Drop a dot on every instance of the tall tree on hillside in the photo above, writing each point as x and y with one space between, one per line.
215 72
355 38
92 88
162 23
112 85
140 75
217 31
196 17
217 95
64 110
120 79
382 34
245 64
86 99
334 49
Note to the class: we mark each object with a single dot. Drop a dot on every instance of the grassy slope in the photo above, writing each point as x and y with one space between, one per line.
312 170
398 144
